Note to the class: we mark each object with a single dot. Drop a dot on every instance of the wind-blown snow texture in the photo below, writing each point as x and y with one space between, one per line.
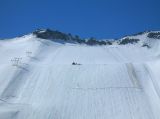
38 80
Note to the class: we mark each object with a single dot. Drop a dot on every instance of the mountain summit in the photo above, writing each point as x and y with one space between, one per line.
57 35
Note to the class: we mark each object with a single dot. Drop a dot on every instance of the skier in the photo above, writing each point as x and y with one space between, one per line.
74 63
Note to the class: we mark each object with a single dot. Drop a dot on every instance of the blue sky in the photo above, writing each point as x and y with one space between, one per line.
86 18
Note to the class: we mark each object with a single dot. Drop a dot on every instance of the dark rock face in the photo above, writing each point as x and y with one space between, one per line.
155 35
128 41
56 35
93 41
52 35
96 42
108 43
146 45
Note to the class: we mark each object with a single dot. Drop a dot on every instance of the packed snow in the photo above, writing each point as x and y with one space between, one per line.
38 80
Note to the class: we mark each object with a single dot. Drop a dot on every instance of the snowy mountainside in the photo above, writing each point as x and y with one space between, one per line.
116 79
142 38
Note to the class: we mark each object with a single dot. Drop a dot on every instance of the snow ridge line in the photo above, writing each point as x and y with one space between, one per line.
12 89
132 75
153 81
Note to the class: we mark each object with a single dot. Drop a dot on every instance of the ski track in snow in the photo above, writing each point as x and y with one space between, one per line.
111 82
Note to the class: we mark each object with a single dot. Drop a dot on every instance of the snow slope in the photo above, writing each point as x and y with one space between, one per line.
112 82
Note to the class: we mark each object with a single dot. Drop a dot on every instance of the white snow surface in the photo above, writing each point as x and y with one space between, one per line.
112 82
